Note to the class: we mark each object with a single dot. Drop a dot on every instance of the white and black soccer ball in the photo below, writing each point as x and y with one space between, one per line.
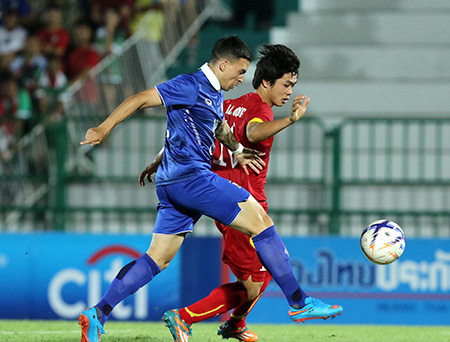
383 242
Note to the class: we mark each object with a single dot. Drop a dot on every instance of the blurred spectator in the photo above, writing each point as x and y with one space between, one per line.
21 6
26 16
52 90
12 35
15 111
54 38
99 7
110 35
83 57
155 24
5 61
27 66
262 9
71 10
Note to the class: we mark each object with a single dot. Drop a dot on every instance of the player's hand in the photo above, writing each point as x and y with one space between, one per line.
252 159
299 108
94 136
147 173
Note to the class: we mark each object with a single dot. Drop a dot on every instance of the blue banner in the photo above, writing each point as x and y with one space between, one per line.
56 276
412 290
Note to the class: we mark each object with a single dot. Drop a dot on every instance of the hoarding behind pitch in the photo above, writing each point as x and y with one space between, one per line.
413 290
56 276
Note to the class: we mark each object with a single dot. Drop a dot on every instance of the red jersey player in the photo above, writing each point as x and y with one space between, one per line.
251 119
53 37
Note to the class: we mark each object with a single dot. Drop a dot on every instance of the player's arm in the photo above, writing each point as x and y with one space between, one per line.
151 168
258 131
245 156
144 99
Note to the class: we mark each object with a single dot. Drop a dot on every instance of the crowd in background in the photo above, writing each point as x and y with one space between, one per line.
47 45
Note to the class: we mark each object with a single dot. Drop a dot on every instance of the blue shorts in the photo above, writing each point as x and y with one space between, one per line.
182 204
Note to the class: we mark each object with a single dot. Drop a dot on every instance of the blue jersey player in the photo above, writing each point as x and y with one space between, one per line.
187 188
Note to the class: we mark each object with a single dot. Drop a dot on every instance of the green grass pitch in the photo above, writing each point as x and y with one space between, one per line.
65 331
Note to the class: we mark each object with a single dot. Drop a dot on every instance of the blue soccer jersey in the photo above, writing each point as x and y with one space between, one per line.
194 110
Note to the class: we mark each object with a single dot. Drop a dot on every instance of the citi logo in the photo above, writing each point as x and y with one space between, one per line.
93 283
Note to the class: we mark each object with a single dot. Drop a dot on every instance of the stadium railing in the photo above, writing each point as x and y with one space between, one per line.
363 170
321 181
397 169
140 62
23 178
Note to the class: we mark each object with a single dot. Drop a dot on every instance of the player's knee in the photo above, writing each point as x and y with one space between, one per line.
262 218
253 290
252 294
164 265
268 222
265 221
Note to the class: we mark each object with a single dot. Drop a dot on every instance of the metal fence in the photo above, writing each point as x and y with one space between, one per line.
34 182
24 176
140 63
321 181
396 168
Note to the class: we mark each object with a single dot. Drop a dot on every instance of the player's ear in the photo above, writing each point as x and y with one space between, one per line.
265 84
223 64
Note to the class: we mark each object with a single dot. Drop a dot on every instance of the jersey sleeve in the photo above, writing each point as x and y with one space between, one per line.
262 113
181 90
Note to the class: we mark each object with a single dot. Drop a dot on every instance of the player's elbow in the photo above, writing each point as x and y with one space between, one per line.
254 138
148 98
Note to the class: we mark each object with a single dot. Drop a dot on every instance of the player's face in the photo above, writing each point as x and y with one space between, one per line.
281 90
233 73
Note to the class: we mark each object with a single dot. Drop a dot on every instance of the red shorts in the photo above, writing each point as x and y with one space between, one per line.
240 255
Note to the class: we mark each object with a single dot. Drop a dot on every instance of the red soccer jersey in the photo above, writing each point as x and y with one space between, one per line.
239 253
80 59
238 113
59 38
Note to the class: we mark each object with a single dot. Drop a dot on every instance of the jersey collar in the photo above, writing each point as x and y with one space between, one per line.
210 76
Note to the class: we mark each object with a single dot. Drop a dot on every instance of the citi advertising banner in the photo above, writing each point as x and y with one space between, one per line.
415 289
56 276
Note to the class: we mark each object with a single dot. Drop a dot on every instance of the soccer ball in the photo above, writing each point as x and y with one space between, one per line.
383 242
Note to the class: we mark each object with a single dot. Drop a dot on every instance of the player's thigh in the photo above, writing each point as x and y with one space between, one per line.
252 219
164 247
208 194
173 219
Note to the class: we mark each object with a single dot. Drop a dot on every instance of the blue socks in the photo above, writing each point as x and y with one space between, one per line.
129 279
268 245
275 258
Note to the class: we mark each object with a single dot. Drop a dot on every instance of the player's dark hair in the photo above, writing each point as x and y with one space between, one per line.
232 48
276 60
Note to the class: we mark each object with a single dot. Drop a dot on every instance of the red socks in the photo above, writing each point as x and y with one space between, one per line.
220 300
237 318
